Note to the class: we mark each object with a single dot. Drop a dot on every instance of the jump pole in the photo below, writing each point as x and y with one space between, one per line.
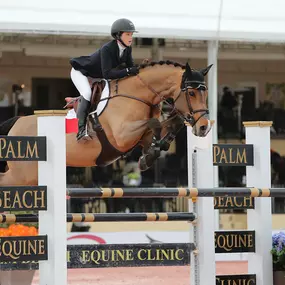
200 174
52 173
260 218
203 268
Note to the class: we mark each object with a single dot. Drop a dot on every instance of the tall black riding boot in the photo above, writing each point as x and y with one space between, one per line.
82 112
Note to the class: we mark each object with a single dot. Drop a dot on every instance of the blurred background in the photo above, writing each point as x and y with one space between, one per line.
243 39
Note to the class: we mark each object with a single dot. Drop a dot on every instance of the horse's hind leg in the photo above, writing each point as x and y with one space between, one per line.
7 179
18 175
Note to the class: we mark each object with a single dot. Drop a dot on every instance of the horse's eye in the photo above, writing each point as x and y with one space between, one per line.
192 93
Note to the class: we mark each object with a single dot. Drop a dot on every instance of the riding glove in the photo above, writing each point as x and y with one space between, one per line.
133 70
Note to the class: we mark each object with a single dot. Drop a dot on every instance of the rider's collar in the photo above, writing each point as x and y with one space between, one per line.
121 48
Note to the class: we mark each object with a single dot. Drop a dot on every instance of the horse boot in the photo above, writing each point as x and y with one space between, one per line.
156 128
153 152
82 112
171 134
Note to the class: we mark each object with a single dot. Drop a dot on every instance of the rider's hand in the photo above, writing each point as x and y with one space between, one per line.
132 70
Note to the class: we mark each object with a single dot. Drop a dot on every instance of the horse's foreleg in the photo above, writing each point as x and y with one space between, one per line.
156 128
128 134
152 147
170 131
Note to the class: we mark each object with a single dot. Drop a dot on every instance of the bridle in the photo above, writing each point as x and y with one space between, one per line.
186 86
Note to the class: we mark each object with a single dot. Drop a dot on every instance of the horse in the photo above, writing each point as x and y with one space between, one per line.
130 118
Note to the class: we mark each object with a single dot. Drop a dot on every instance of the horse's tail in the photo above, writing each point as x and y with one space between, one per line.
5 127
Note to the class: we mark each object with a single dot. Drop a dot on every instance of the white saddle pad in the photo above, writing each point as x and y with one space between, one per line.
101 106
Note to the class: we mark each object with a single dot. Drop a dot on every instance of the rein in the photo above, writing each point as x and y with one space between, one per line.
187 86
127 96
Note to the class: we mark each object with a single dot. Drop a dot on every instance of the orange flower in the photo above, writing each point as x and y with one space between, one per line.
3 232
18 230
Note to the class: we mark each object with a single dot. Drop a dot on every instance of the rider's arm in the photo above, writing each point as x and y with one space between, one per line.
106 65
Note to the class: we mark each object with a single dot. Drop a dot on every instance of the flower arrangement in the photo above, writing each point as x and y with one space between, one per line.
278 251
18 229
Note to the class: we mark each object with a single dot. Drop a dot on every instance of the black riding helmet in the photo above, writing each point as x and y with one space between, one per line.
120 26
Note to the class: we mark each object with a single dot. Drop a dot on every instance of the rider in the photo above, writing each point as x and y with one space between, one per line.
103 64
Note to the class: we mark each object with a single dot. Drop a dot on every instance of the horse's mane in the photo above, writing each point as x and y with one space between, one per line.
161 62
153 63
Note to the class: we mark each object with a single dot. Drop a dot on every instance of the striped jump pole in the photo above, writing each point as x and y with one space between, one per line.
260 218
202 270
174 192
258 174
105 217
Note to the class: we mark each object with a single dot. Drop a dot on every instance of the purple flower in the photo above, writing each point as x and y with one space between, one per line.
278 251
278 241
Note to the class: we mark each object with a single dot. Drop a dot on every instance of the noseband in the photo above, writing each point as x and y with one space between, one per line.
186 87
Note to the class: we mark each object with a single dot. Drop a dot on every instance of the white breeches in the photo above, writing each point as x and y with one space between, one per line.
81 83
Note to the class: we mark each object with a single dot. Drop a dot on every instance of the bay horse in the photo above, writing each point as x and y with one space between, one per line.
130 118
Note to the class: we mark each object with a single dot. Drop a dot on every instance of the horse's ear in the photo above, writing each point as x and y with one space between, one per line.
204 71
188 69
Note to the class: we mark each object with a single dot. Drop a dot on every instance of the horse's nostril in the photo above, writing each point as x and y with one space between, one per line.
203 128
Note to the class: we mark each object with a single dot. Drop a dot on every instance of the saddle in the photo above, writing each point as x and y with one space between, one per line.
108 152
97 86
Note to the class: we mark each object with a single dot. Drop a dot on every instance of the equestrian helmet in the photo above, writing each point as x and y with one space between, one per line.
122 25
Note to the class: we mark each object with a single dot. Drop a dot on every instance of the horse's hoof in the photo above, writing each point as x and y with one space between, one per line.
164 146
